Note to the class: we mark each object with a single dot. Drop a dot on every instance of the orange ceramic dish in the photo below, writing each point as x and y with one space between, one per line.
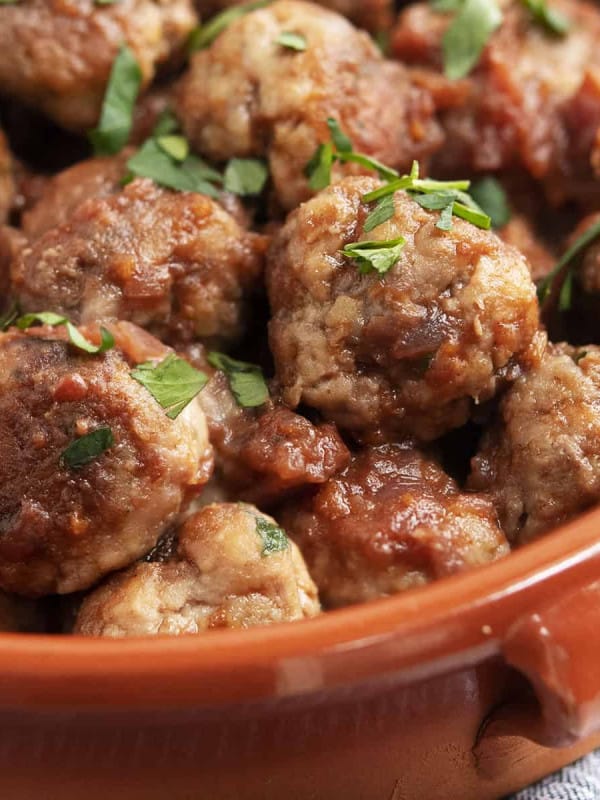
469 688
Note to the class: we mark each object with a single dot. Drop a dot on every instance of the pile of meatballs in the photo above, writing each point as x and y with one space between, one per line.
405 424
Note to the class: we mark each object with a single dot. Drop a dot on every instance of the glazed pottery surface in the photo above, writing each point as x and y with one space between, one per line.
467 689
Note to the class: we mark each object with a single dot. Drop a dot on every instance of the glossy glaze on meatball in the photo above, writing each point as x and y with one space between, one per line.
246 95
173 262
262 454
532 102
404 353
391 521
541 460
222 575
57 54
63 527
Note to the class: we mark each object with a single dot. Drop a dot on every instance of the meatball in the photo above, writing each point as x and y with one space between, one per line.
66 522
246 95
57 54
406 353
226 573
391 521
532 102
374 15
263 453
174 262
520 233
541 458
7 185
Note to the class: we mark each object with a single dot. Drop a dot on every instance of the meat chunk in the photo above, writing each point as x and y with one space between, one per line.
374 15
233 568
247 95
408 352
541 458
173 262
64 523
391 521
263 453
7 184
57 54
532 102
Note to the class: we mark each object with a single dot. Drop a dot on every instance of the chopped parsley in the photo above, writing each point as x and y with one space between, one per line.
574 251
245 176
375 256
549 18
116 118
463 42
174 145
273 537
383 211
291 40
87 448
76 338
204 35
491 198
190 175
172 382
246 381
10 316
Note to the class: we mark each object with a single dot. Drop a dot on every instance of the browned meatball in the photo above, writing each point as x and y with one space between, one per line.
374 15
65 524
391 521
246 95
263 453
57 54
174 262
520 233
541 460
532 102
7 184
404 353
223 574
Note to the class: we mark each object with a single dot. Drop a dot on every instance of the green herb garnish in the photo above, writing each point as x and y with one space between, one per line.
204 35
578 356
468 34
116 119
175 146
293 41
491 198
189 175
273 537
318 169
9 317
76 338
375 256
575 250
87 448
383 211
245 176
172 382
550 19
246 381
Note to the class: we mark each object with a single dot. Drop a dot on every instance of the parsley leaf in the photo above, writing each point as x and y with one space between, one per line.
467 36
204 35
318 169
102 2
375 256
87 448
190 175
173 383
116 119
174 145
76 338
338 137
575 250
12 312
246 381
245 176
273 537
491 198
550 19
293 41
383 211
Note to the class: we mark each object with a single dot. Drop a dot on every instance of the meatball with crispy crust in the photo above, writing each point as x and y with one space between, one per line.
391 521
67 521
232 568
541 459
532 102
246 95
173 262
57 54
408 352
262 454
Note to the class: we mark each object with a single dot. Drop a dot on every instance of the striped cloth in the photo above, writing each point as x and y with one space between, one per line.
579 781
